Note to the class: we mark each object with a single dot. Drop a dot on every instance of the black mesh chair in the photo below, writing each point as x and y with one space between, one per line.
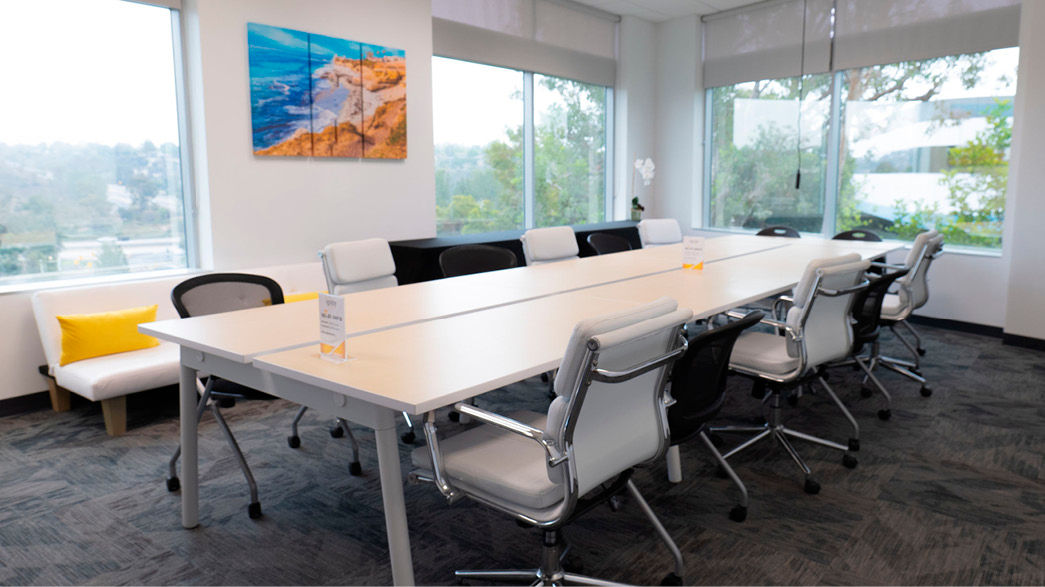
698 385
469 259
604 244
784 231
212 294
857 234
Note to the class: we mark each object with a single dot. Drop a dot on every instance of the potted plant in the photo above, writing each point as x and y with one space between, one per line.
646 169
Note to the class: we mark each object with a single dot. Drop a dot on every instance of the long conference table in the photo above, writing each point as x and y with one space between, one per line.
423 346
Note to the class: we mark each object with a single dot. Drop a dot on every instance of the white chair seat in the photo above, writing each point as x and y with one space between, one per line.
121 373
764 353
892 307
489 461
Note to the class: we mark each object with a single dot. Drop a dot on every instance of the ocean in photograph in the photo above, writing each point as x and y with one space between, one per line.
337 115
280 85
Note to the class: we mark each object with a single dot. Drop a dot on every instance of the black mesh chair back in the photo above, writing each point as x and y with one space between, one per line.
469 259
784 231
224 292
698 379
857 234
604 244
867 308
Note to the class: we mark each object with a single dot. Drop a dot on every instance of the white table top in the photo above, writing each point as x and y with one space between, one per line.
424 366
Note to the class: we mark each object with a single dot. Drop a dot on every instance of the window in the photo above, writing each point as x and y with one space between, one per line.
90 153
487 146
920 144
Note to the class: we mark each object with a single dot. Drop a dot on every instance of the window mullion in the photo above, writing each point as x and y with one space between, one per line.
528 152
709 104
834 148
608 190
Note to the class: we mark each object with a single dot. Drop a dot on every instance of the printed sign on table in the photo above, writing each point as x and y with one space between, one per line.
693 252
332 328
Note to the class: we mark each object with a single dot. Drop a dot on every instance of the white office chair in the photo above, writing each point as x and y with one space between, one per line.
548 245
609 416
657 232
817 331
912 294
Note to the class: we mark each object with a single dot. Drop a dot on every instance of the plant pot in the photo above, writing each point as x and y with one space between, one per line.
636 214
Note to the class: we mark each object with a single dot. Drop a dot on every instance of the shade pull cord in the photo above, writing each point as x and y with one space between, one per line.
801 94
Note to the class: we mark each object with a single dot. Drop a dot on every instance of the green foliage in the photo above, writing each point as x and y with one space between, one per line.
111 255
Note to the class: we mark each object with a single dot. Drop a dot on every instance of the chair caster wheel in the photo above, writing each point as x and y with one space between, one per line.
926 391
792 400
408 437
254 510
544 378
885 414
849 461
716 440
865 392
854 444
336 431
921 352
454 416
226 402
738 513
671 579
812 487
355 469
173 484
294 441
720 472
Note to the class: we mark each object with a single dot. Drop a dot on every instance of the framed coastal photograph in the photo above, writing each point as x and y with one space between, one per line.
319 96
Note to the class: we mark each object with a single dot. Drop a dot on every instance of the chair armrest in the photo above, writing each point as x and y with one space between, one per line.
770 322
515 427
887 265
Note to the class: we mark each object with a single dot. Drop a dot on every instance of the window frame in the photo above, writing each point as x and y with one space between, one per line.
529 194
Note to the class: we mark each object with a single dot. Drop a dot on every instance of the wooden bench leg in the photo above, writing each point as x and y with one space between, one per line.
114 410
61 401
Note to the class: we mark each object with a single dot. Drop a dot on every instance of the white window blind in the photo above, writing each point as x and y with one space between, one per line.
544 36
764 41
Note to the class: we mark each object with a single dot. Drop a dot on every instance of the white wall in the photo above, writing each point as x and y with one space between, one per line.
680 122
272 210
1024 237
635 97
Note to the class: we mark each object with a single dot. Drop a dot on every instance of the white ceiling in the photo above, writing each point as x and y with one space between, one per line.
660 10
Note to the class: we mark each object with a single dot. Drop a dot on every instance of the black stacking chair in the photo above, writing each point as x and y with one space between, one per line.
784 231
468 259
212 294
857 234
604 244
698 385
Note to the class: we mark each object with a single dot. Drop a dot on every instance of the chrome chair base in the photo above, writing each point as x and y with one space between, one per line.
782 434
554 550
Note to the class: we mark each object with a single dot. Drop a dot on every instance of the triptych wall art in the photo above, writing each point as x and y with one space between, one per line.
318 96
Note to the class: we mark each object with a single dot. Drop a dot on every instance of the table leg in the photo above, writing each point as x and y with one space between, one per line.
190 482
392 496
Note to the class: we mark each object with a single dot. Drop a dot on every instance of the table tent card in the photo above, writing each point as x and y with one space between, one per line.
693 252
332 328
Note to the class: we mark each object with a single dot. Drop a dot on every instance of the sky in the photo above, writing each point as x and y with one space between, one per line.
86 71
471 103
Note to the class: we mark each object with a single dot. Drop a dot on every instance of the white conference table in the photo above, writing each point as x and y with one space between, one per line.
413 359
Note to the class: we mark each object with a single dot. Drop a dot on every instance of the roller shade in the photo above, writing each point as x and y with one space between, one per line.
533 35
763 41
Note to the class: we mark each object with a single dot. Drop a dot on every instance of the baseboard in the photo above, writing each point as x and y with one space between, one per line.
25 403
1024 341
958 325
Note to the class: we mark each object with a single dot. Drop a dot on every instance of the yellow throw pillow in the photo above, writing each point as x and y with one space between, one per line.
300 297
92 335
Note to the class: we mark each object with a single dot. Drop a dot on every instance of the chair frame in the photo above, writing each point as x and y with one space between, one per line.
505 252
773 425
779 230
597 236
551 571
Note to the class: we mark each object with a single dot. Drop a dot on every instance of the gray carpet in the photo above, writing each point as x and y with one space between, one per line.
950 491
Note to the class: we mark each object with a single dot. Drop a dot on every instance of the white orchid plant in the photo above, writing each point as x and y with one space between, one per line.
646 169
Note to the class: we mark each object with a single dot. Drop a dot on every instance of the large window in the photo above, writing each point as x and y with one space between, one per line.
897 148
516 150
90 164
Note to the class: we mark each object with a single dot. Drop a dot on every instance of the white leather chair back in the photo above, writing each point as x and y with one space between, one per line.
614 426
824 325
656 232
361 265
920 280
547 245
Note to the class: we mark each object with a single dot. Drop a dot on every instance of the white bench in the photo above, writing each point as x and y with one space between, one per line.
109 379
